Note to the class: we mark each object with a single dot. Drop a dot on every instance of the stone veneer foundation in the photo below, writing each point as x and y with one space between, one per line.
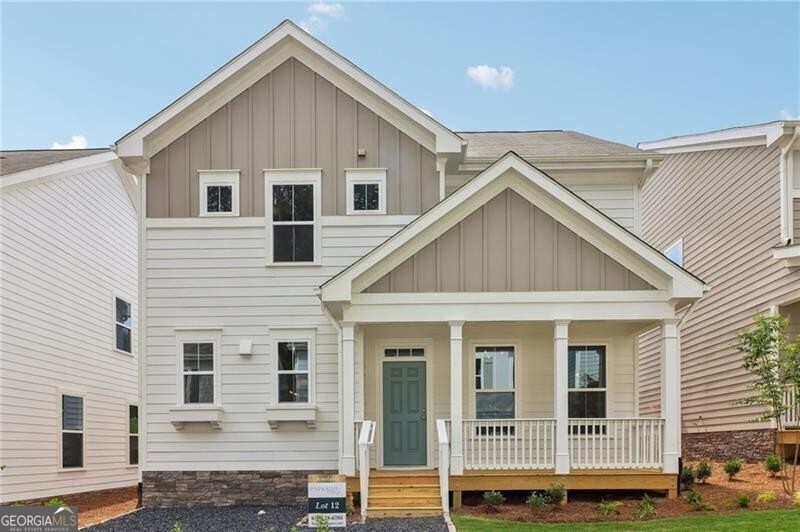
224 488
749 445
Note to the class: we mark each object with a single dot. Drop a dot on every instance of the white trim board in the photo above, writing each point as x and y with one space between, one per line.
737 137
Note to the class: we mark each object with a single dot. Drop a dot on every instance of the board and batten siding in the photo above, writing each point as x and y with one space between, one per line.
291 118
725 205
67 247
214 275
508 245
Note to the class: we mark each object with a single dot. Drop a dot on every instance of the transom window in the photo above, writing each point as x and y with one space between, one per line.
123 322
293 372
587 381
198 372
494 382
71 431
366 190
133 434
404 352
219 193
293 225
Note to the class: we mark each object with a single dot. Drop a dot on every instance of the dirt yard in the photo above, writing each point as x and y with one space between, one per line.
101 505
718 490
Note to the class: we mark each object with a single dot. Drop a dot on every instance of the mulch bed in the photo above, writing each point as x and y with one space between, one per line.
718 490
96 506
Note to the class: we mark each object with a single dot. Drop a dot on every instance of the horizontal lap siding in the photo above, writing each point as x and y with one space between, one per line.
67 246
217 277
725 206
291 118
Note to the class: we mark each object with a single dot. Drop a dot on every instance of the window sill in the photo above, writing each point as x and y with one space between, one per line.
278 413
293 264
790 255
121 352
181 415
71 469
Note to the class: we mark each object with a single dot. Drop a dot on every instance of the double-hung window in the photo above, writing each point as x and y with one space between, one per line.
293 216
366 190
198 373
587 381
71 432
219 192
293 371
123 323
133 435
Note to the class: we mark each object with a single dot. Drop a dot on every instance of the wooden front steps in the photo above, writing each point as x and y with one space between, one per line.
404 493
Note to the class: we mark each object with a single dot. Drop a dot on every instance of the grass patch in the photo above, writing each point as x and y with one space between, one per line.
775 520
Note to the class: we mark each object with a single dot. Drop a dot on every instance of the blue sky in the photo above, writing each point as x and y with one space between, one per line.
622 71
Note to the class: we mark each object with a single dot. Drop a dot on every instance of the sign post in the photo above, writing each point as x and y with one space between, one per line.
327 501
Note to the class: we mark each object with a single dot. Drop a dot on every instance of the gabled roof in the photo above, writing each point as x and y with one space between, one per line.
512 171
735 137
548 143
286 40
12 161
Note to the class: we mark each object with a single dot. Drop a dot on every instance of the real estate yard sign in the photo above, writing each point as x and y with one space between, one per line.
327 502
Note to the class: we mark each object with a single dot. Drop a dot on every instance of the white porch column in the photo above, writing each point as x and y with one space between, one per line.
561 394
348 460
456 399
671 393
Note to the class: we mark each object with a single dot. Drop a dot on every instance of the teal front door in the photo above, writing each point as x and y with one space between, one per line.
405 413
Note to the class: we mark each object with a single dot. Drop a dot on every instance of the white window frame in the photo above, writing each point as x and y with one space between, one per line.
200 336
678 244
219 178
365 176
128 430
294 176
605 346
114 323
474 346
61 430
309 335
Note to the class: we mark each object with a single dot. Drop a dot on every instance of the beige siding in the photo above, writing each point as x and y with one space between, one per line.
508 245
725 204
67 246
291 118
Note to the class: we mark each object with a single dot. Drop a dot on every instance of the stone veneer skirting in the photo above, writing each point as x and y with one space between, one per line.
224 488
749 445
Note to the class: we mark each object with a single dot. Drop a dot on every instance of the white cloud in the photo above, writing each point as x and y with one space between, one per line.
318 15
78 142
488 77
788 115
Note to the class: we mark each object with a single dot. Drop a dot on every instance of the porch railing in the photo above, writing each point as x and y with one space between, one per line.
509 443
365 439
791 418
621 443
444 463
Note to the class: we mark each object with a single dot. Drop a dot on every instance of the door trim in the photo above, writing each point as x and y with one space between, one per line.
426 343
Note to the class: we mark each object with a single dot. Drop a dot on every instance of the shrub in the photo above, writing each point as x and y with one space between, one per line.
608 508
703 471
177 527
696 502
773 463
555 494
743 500
732 467
55 501
492 499
537 502
646 508
687 477
766 497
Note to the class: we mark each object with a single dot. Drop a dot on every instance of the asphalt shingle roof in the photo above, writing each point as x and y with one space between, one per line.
531 144
13 161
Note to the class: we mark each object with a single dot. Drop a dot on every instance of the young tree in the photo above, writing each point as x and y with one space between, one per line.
774 362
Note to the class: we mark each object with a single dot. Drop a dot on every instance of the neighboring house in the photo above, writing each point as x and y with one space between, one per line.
334 281
726 205
68 332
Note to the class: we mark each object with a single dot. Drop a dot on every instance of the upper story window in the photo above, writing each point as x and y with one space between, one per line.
675 252
494 382
71 431
293 223
587 381
219 193
123 323
366 190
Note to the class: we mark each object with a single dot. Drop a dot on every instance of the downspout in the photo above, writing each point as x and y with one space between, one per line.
786 199
338 328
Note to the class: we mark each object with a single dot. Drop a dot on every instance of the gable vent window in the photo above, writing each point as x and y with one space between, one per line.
366 190
219 193
293 224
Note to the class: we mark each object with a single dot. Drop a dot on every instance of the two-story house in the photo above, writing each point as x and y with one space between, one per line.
333 281
726 205
69 393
